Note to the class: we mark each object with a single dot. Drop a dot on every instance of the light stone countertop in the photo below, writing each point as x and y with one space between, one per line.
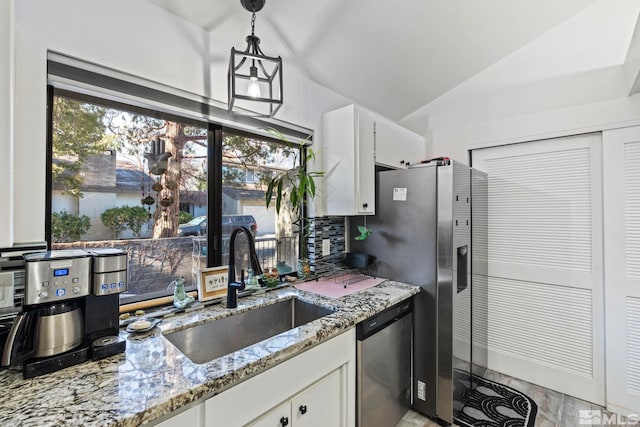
153 378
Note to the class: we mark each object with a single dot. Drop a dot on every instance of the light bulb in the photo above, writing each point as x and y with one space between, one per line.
254 88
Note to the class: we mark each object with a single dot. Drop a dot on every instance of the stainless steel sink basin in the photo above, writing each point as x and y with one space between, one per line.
209 341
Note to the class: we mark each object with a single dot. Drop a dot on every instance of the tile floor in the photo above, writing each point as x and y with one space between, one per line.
554 409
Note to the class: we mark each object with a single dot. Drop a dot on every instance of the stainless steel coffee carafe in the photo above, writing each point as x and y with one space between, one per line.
59 328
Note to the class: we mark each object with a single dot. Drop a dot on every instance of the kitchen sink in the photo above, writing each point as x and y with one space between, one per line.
209 341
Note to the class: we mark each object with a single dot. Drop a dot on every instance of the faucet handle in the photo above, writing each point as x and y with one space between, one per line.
240 284
232 289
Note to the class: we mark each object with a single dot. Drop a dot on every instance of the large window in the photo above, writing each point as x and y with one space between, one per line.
150 183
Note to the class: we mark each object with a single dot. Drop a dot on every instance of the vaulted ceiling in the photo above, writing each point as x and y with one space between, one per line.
394 57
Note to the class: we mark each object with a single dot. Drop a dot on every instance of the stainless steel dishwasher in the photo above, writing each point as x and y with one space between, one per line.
384 366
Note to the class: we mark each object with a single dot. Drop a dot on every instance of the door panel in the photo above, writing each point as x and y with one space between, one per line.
621 155
280 416
320 405
544 252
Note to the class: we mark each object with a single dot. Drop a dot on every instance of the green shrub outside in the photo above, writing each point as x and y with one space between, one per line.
125 217
184 217
66 227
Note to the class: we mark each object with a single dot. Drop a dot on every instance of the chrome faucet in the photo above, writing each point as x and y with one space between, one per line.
232 285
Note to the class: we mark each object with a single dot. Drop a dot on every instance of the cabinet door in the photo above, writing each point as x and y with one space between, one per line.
321 404
339 158
193 417
365 169
396 146
280 416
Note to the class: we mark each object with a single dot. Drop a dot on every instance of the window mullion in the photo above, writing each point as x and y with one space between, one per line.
214 201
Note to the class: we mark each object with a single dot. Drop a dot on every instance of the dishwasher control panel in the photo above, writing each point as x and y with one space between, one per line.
380 320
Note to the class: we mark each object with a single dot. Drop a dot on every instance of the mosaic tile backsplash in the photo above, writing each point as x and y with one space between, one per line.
332 228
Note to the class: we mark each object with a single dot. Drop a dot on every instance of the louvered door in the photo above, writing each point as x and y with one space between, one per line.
621 153
544 256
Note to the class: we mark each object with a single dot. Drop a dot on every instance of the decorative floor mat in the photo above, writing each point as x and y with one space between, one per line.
491 404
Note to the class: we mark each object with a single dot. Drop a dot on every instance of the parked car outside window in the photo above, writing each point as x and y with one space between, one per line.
196 227
231 222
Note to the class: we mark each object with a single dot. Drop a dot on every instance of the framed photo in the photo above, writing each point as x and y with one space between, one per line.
212 283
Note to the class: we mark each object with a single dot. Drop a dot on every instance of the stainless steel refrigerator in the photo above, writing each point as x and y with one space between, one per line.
421 235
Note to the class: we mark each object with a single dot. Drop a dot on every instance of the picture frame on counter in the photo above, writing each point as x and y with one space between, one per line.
212 283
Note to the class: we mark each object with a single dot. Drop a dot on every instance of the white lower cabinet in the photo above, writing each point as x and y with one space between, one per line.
315 388
318 406
278 417
192 417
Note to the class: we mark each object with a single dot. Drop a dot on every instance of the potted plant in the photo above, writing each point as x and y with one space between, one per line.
291 188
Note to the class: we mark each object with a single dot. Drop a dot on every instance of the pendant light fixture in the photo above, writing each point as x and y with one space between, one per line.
254 79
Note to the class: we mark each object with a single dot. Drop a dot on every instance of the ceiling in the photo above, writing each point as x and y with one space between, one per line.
393 57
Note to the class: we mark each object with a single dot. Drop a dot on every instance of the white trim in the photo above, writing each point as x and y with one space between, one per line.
7 127
552 135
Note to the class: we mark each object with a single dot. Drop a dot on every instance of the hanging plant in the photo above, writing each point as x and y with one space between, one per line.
166 201
157 187
148 200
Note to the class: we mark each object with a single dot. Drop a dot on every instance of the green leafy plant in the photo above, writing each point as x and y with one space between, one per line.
135 218
294 186
115 220
125 217
184 217
66 227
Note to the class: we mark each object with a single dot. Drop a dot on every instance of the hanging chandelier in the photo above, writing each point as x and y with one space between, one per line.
254 79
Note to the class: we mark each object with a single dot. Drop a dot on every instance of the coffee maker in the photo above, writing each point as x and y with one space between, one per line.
70 312
48 334
102 306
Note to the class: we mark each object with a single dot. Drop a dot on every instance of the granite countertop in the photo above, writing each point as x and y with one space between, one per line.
153 378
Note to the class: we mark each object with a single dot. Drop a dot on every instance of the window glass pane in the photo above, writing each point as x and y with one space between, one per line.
248 164
131 181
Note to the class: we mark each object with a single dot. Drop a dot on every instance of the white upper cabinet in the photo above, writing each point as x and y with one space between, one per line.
347 152
353 141
395 146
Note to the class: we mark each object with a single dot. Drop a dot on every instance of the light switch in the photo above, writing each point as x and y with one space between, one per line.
6 289
326 247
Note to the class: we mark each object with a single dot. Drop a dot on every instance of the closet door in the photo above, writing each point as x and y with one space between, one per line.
621 154
544 258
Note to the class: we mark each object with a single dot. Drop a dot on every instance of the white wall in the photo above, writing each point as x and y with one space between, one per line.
6 100
570 80
131 36
632 62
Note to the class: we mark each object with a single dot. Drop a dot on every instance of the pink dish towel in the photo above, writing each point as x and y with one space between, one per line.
332 289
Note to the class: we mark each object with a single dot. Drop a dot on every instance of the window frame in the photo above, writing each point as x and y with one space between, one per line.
215 145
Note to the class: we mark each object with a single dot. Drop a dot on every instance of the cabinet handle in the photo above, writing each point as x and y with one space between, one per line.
284 421
365 205
303 409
